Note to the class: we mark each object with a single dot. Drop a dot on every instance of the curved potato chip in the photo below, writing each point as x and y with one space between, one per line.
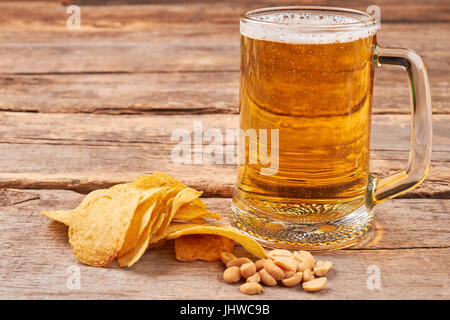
159 179
156 228
206 247
176 230
132 256
164 209
198 221
158 244
63 216
99 231
141 218
186 195
66 216
189 212
96 194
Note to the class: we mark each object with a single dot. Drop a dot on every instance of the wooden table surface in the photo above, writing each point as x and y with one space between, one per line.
85 109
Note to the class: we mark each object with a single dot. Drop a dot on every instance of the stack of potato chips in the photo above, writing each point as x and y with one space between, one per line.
122 222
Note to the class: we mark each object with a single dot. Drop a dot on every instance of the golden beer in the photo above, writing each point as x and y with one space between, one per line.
319 97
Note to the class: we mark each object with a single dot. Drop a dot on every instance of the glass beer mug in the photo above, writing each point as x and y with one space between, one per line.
305 117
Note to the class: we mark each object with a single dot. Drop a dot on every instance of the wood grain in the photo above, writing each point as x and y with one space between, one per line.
389 132
175 93
156 93
37 268
83 152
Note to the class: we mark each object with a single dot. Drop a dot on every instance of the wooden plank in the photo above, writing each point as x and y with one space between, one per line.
74 168
389 132
175 93
37 267
400 223
156 93
408 274
84 152
188 47
51 15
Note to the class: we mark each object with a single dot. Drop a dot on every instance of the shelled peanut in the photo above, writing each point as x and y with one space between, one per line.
281 266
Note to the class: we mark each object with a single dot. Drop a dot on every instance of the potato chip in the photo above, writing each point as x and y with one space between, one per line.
190 211
141 218
157 217
176 230
157 227
159 179
186 195
132 256
66 216
198 220
206 247
164 209
99 230
63 216
158 244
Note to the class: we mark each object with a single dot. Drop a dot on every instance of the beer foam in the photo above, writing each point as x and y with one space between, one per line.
305 28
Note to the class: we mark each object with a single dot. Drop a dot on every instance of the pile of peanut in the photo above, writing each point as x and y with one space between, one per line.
289 268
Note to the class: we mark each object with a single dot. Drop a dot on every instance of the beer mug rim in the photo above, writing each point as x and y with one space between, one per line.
363 19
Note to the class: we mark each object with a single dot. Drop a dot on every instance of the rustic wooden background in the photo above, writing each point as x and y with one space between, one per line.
85 109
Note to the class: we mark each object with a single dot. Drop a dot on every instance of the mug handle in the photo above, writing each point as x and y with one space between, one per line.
421 126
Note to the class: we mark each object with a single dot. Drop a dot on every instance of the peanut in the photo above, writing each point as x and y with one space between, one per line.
305 259
226 257
248 269
315 285
285 263
259 264
232 274
275 271
266 278
279 253
254 278
251 288
321 268
288 273
294 280
308 275
238 262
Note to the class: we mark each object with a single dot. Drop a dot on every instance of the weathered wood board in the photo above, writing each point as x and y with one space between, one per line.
83 151
37 268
